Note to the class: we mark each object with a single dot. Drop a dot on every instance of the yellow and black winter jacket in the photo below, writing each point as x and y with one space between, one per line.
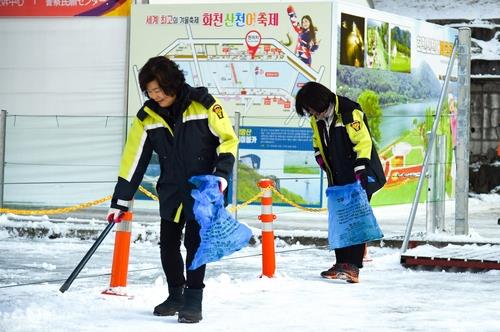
345 144
192 137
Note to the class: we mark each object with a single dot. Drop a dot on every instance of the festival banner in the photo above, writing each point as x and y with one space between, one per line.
255 57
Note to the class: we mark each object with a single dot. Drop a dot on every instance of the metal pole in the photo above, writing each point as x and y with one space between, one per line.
86 258
414 206
128 68
436 187
440 182
3 126
463 133
430 208
234 196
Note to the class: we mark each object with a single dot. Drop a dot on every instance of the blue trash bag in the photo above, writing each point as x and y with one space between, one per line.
350 217
220 233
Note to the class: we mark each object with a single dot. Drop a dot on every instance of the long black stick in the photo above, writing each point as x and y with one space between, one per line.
85 258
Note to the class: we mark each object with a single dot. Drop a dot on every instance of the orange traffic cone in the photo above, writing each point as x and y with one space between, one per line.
119 269
267 217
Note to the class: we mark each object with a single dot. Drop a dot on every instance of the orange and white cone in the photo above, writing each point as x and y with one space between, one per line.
119 269
267 217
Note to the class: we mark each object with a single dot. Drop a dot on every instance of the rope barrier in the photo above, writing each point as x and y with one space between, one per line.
289 202
155 198
232 209
57 211
251 200
148 193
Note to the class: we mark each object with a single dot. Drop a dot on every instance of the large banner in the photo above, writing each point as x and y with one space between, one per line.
255 57
395 67
65 7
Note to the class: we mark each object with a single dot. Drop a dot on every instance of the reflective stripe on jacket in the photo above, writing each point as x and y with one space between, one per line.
199 141
346 143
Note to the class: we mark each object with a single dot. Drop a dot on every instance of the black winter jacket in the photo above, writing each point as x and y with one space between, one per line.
192 137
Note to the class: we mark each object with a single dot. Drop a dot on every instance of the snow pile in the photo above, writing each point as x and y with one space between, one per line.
486 50
442 9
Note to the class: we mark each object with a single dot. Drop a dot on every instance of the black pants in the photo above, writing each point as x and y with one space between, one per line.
170 251
353 254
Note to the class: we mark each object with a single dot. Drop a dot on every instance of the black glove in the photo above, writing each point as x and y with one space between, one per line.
361 176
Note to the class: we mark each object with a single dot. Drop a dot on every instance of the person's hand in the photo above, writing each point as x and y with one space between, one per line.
115 215
320 161
361 176
222 184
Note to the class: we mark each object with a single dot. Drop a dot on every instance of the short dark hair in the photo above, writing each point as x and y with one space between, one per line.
314 96
166 72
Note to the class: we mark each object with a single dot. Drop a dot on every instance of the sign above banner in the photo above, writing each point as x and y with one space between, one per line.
65 7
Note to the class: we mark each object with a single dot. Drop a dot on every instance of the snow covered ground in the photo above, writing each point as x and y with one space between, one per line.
389 297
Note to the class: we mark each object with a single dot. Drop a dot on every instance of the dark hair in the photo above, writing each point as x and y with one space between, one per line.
314 96
166 72
312 28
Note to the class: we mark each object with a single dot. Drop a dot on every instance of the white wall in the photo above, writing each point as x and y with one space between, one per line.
76 67
70 66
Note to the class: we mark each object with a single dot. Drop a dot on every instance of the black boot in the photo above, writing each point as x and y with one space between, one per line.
172 304
191 311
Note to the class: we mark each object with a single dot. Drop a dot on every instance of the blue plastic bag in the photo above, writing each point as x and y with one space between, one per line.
220 233
350 217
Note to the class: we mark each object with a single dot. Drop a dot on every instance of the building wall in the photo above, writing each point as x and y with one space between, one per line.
485 115
63 84
485 83
63 65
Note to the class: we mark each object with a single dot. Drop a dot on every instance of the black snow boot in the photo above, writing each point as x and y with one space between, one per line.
172 304
191 311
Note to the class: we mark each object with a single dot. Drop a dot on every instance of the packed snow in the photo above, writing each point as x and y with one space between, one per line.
389 296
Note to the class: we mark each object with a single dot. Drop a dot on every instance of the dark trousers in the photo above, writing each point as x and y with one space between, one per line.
170 251
353 254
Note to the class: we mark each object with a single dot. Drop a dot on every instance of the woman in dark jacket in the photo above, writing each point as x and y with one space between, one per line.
344 149
192 135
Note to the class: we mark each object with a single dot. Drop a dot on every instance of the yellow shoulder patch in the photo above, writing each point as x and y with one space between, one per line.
217 109
356 125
